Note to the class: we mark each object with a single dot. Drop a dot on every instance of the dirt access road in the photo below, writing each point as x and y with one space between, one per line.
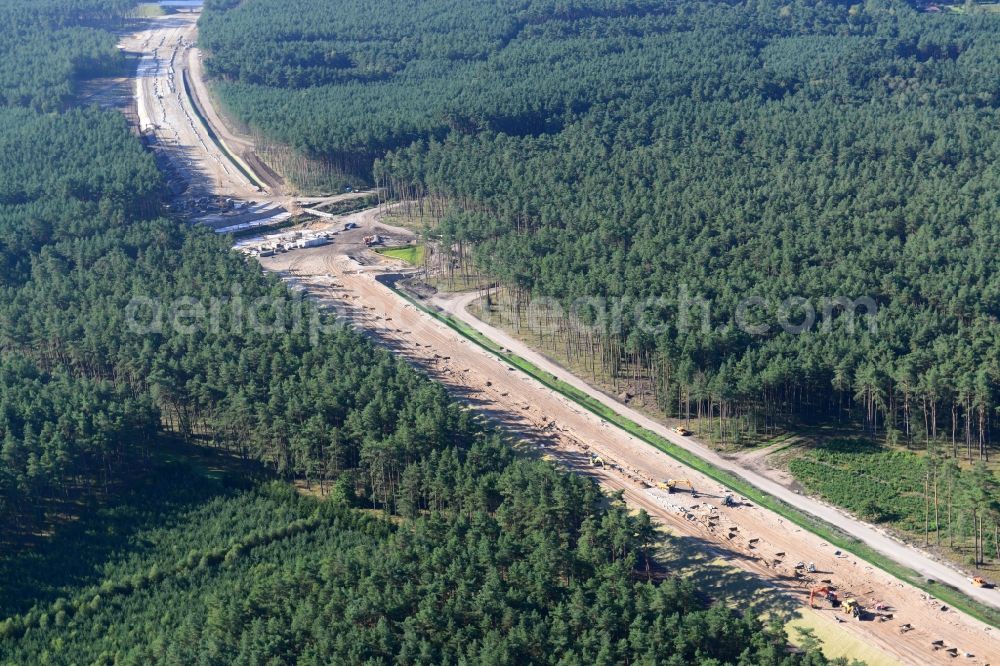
747 539
918 560
763 544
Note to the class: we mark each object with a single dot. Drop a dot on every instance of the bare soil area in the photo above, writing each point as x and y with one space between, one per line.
349 279
746 538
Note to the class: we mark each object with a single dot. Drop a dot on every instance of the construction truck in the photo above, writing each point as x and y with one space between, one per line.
825 592
854 609
671 484
597 461
683 432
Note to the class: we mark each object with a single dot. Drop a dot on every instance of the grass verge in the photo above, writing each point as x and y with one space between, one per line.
411 254
945 593
219 143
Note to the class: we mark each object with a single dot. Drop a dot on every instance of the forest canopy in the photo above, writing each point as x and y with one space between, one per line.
147 506
644 150
48 46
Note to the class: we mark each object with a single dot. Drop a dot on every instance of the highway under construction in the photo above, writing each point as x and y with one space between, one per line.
896 622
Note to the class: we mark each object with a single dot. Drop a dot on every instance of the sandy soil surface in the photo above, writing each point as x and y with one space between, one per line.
164 46
208 184
762 460
875 537
748 538
237 144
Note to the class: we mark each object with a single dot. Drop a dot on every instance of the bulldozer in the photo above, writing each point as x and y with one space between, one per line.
979 581
670 485
825 592
854 609
597 461
681 430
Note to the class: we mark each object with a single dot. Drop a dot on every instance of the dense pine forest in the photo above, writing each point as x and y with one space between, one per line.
513 563
649 153
49 45
231 493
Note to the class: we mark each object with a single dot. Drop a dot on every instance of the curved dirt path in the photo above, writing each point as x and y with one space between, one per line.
874 537
763 546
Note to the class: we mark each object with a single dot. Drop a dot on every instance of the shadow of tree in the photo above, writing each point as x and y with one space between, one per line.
702 562
92 528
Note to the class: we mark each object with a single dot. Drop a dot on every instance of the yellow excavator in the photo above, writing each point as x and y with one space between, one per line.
596 460
854 609
670 485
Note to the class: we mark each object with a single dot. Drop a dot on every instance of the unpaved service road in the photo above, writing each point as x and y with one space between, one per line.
748 537
874 537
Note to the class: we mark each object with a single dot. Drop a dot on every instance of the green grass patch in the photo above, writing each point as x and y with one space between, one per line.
947 594
876 483
835 642
149 10
411 254
883 485
457 283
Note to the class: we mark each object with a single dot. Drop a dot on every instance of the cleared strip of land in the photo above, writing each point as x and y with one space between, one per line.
876 539
763 543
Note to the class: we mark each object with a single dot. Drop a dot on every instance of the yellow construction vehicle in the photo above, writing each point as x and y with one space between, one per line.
596 460
853 608
683 432
671 484
979 581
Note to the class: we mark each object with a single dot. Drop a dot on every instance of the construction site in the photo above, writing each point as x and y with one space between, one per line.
742 551
213 173
902 622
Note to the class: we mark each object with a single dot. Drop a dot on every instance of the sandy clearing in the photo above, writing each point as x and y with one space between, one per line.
873 536
558 427
164 46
